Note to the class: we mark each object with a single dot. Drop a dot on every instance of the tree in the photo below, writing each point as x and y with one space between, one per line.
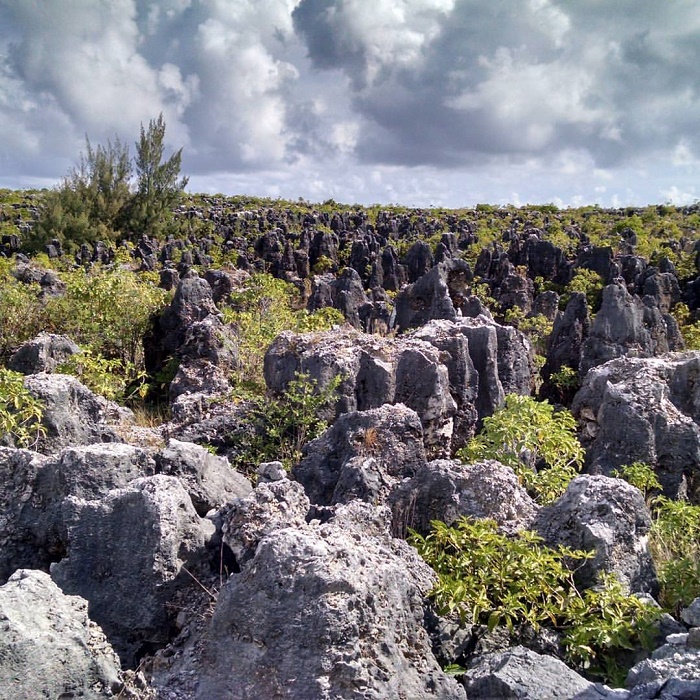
159 184
98 199
87 205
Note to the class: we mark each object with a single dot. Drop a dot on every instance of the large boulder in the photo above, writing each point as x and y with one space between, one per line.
645 410
628 326
447 490
271 506
135 541
610 518
364 455
19 470
210 480
42 354
522 674
324 611
49 648
374 371
73 415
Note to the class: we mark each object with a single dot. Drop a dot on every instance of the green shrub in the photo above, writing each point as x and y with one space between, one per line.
111 378
537 442
675 546
21 313
260 311
108 310
20 412
278 427
487 578
674 539
95 201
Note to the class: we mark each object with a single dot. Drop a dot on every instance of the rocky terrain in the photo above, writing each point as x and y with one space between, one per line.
137 562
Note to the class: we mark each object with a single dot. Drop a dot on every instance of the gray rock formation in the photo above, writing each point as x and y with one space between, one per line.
49 648
628 326
672 672
374 371
645 410
324 611
609 517
522 674
364 455
451 373
271 506
447 490
500 360
437 294
73 415
42 354
19 470
209 480
207 356
133 540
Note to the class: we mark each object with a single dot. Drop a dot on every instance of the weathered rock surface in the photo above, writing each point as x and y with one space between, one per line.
209 480
447 490
42 354
32 524
363 455
494 361
134 540
374 371
451 373
271 506
628 326
73 415
48 646
437 294
672 672
324 611
607 516
645 410
522 674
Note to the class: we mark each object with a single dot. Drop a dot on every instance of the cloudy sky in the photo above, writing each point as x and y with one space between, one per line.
416 102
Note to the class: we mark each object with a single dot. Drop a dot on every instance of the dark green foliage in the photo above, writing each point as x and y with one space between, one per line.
96 200
278 427
159 185
487 578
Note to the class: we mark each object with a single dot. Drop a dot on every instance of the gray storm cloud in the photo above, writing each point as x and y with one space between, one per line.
262 86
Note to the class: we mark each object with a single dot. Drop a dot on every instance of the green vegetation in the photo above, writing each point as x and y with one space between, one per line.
278 427
674 540
537 442
260 311
487 578
95 201
20 412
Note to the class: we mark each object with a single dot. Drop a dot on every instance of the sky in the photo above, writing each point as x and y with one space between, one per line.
421 103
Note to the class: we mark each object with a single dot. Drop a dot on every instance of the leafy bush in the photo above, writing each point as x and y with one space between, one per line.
110 378
674 539
95 201
675 546
22 314
260 311
487 578
20 412
537 442
108 310
280 426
